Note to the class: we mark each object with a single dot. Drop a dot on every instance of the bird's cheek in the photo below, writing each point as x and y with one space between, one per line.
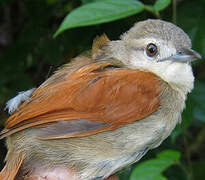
138 60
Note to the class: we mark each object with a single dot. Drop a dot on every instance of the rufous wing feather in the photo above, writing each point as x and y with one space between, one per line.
107 98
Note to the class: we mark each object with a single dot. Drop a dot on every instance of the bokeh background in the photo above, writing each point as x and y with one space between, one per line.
29 54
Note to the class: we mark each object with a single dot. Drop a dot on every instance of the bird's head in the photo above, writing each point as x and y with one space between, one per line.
160 47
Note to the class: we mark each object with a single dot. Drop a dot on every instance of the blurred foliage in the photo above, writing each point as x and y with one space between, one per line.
152 169
29 54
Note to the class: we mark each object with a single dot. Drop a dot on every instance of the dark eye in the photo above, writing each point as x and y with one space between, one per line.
151 50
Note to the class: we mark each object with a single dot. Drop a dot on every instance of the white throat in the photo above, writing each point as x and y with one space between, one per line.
179 76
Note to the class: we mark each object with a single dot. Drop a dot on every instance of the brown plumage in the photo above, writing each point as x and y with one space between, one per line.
125 96
76 96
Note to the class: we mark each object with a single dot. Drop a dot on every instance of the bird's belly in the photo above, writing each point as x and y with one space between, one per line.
95 156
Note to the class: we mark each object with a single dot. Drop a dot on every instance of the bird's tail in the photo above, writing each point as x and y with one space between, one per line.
11 169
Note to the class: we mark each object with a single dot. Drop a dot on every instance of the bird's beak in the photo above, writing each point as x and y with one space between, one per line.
186 55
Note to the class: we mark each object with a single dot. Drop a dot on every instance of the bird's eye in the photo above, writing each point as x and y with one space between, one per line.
151 50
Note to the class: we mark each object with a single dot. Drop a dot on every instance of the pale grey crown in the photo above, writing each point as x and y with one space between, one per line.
159 29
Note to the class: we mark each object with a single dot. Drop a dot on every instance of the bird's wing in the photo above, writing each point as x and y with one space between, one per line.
92 99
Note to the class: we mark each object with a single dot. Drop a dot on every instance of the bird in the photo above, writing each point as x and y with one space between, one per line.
103 111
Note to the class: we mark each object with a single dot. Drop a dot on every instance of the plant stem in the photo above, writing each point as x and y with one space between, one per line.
187 152
174 11
152 10
186 172
157 14
198 142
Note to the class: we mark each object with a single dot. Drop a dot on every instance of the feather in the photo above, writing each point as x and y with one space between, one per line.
98 44
64 129
94 93
12 104
9 173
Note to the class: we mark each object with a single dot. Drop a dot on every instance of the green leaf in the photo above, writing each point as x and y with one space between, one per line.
98 12
161 4
149 8
160 177
169 155
150 169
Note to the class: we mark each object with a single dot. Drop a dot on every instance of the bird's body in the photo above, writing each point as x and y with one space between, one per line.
99 114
